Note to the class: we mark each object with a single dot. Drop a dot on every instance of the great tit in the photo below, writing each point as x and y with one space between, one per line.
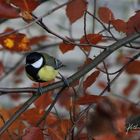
41 67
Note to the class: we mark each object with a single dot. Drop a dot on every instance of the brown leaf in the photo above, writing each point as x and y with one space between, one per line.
64 47
33 133
26 5
90 38
32 116
89 99
90 79
37 39
1 68
131 85
43 101
53 134
133 23
52 119
119 25
75 10
105 14
102 84
65 125
7 11
65 100
17 42
133 67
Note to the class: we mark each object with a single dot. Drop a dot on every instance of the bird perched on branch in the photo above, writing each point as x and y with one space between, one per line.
41 67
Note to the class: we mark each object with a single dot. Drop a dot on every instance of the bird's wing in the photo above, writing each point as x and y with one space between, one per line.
51 61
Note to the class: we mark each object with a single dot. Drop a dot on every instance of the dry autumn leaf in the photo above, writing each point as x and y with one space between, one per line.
54 135
90 79
52 119
133 24
37 39
64 47
129 88
26 5
15 42
119 25
33 133
89 99
1 68
64 127
43 101
91 39
105 14
133 67
75 10
32 116
65 100
8 11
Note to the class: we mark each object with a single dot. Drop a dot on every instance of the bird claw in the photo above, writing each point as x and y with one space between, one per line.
39 91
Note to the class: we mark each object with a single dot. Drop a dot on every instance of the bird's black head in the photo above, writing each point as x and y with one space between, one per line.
33 57
34 62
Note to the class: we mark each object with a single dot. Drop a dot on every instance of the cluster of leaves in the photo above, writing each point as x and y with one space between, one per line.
108 119
128 27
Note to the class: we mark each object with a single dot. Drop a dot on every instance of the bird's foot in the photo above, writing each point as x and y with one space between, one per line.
39 91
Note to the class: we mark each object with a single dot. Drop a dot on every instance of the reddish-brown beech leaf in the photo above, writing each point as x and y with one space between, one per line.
26 5
1 68
65 47
105 14
102 84
131 85
17 42
64 126
76 9
90 79
33 133
32 116
90 38
37 39
133 67
65 99
7 11
54 135
89 99
119 25
17 126
52 120
43 101
133 23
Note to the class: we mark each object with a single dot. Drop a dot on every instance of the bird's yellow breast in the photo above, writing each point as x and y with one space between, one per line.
47 73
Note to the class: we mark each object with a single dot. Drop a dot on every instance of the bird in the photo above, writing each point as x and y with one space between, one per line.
41 67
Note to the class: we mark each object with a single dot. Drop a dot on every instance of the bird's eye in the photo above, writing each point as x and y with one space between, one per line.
38 63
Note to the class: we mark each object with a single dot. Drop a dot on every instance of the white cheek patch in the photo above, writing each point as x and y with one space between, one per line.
38 63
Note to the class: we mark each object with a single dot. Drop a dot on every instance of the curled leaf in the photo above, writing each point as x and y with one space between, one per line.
90 79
